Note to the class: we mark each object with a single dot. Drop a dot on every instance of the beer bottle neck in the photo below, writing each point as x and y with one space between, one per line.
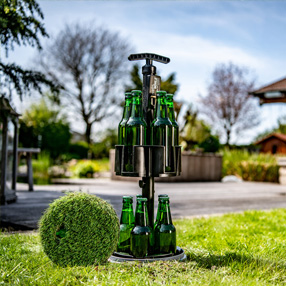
136 109
141 214
127 215
127 107
171 111
170 107
161 109
164 213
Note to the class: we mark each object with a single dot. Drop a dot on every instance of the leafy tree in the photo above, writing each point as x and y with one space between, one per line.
20 24
88 62
195 131
136 80
45 127
101 149
168 84
228 104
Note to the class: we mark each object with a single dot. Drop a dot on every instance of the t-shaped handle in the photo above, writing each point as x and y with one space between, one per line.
148 56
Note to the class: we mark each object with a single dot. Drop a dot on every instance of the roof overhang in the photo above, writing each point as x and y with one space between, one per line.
272 93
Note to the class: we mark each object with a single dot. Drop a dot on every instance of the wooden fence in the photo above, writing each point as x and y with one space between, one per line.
205 167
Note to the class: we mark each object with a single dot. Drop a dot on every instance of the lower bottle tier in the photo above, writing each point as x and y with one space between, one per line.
147 161
118 257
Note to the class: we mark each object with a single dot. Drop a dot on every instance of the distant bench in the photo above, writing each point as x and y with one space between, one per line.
28 152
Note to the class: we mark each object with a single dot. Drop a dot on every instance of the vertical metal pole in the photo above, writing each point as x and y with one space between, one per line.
148 192
147 183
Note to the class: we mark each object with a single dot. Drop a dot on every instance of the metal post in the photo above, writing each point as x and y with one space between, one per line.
148 108
148 191
147 183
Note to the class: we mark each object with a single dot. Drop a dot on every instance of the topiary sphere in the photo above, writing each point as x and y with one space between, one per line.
79 229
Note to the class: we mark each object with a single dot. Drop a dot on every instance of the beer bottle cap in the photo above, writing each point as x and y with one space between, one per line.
128 95
164 199
136 92
163 195
161 93
127 198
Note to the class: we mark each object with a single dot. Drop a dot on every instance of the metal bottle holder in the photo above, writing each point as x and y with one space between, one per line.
148 161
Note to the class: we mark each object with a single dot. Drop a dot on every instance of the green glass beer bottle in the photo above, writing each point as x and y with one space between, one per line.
125 117
171 114
165 231
127 223
135 128
161 127
158 213
141 233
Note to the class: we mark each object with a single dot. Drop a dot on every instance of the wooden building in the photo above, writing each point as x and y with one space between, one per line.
272 93
274 143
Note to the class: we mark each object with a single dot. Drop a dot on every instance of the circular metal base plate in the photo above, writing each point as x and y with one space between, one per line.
117 257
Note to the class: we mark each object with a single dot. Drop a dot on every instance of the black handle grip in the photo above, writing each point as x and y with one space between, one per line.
143 56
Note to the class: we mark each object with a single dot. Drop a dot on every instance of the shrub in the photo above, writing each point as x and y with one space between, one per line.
100 150
79 230
78 150
250 167
40 169
210 144
57 172
259 172
85 169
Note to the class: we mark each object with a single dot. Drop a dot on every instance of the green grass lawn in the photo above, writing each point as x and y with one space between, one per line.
235 249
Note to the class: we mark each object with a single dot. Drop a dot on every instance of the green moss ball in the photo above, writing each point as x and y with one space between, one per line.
79 229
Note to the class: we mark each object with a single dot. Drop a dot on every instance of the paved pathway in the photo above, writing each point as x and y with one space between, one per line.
187 199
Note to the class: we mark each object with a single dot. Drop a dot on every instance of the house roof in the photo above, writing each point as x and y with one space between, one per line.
279 85
280 136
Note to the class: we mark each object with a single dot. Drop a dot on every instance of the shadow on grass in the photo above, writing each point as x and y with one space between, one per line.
234 259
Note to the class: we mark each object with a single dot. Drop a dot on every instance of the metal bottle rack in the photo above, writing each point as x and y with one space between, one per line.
148 161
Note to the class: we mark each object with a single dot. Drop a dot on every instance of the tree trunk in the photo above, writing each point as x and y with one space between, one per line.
227 137
88 133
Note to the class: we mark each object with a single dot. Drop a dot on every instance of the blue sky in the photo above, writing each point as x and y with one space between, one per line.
196 35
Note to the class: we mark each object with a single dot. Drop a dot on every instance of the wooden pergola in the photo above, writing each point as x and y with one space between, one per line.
272 93
8 151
